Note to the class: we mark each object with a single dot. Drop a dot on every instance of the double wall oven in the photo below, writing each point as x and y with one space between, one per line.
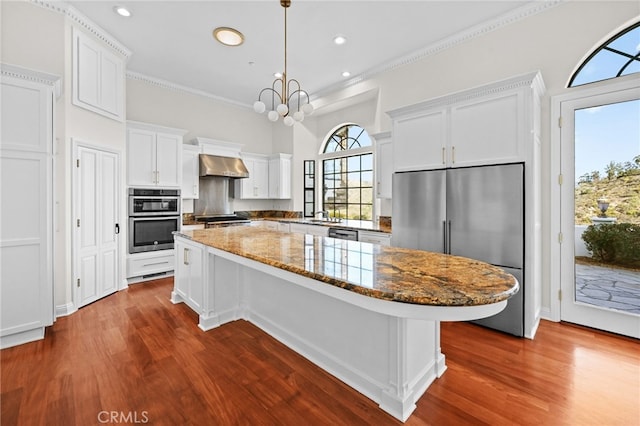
154 214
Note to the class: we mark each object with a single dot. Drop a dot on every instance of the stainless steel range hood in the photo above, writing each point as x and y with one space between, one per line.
216 165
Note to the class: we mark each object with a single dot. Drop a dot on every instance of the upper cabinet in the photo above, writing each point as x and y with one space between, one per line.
256 186
420 140
384 164
269 177
280 176
190 172
98 77
154 155
491 124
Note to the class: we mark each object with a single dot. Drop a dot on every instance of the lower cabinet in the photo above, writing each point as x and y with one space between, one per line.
374 237
189 274
309 229
270 224
149 265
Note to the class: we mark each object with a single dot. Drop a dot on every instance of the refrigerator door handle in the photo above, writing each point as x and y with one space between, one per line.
449 238
444 236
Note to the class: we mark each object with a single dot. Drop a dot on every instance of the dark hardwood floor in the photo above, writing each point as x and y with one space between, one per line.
135 356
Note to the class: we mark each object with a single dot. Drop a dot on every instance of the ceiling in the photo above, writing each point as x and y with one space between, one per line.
172 40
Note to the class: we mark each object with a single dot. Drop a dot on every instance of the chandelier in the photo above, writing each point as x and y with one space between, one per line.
287 97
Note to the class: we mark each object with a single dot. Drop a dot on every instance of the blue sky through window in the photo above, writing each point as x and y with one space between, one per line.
604 134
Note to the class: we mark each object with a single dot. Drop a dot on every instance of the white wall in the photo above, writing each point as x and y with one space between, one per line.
199 115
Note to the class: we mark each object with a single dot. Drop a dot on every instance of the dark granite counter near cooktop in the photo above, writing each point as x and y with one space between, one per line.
389 273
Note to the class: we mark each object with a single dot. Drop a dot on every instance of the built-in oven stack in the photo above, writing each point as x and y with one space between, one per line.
154 214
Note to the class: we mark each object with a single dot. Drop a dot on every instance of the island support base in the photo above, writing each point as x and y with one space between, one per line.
389 359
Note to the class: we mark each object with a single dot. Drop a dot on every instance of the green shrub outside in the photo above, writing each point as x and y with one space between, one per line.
616 243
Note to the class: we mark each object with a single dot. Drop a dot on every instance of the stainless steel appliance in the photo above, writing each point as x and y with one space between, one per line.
475 212
154 214
344 234
214 207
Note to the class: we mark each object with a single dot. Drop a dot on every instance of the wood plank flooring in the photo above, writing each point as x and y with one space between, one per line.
138 357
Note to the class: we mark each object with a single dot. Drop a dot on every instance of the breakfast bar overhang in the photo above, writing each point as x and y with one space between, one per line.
367 314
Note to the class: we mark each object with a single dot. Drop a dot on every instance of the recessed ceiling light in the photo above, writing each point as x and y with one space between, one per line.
346 73
277 74
228 36
122 11
339 39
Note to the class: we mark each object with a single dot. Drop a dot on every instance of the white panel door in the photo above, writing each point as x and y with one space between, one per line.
97 218
26 238
26 273
109 222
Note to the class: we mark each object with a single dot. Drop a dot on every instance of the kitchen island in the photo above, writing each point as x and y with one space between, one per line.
370 315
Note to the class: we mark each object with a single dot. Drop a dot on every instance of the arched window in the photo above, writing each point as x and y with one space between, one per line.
618 56
347 164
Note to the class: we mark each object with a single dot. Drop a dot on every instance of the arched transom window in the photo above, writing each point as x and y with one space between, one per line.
347 160
619 56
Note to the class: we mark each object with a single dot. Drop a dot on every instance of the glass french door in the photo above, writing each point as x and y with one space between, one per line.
600 165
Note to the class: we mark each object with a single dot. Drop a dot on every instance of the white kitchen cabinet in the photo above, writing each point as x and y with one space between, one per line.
486 125
256 186
381 238
284 227
190 172
269 224
26 184
280 176
141 266
419 140
309 229
154 155
384 164
98 77
189 276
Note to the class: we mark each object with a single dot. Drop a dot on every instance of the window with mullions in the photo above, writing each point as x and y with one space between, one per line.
348 174
619 56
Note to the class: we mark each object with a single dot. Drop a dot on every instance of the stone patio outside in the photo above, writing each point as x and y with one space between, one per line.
607 287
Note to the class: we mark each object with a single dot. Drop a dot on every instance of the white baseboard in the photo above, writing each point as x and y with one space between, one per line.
22 337
66 309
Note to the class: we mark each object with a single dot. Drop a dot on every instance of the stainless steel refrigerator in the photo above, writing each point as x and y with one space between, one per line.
475 212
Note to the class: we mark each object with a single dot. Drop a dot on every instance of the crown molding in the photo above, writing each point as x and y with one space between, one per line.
39 77
447 43
82 21
133 75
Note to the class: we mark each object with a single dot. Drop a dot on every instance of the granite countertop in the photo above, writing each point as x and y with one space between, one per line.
388 273
365 225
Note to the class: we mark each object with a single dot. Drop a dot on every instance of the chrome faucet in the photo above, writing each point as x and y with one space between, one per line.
325 214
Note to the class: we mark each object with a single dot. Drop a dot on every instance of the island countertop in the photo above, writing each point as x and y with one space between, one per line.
387 273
